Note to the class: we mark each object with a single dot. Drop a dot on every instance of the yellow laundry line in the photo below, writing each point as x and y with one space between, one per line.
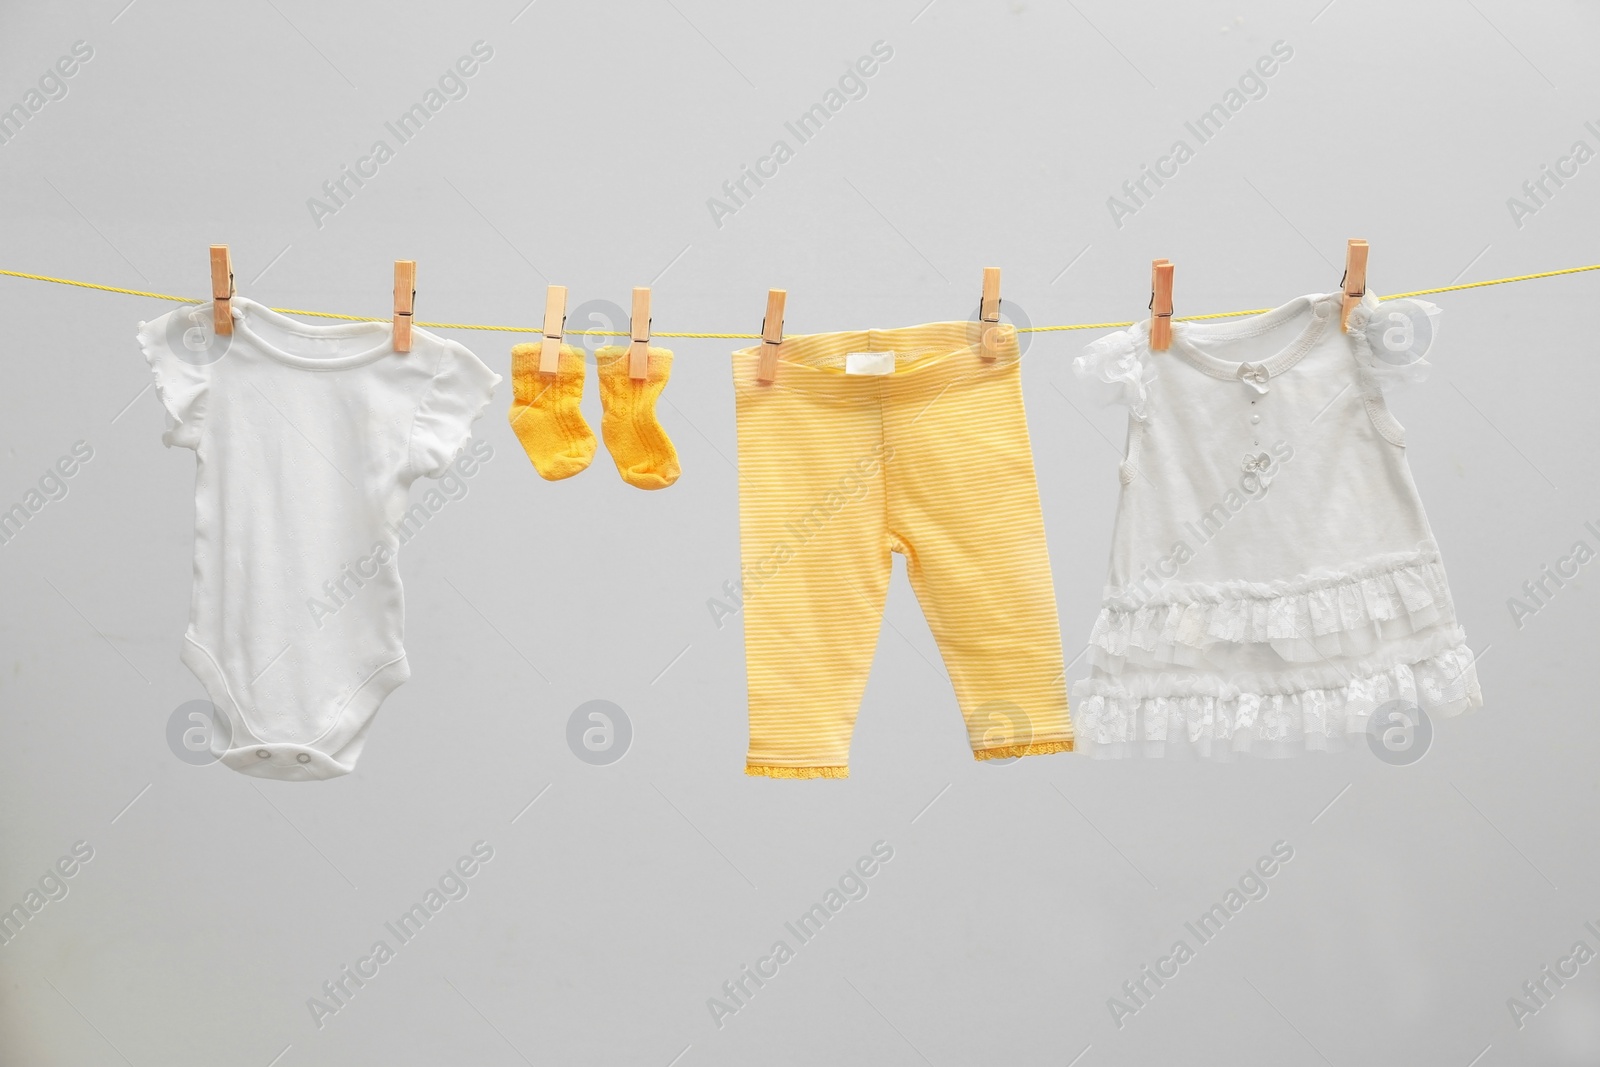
754 336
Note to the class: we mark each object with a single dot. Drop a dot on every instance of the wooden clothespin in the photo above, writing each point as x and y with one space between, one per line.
222 289
1160 305
1354 283
555 328
771 336
989 313
405 299
639 332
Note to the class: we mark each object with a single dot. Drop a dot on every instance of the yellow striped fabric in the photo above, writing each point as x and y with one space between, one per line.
837 469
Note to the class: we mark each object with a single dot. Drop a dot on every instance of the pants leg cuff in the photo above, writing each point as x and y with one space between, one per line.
772 770
1037 748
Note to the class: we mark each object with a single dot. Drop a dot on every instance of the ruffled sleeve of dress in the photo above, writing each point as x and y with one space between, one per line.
1119 365
1392 339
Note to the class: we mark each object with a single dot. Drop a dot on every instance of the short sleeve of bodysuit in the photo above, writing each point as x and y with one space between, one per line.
461 388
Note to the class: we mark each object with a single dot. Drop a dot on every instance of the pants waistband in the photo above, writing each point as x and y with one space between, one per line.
924 357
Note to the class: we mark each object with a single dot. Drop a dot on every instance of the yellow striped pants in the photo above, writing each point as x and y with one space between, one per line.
872 442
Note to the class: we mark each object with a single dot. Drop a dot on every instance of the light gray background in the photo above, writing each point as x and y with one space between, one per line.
1020 897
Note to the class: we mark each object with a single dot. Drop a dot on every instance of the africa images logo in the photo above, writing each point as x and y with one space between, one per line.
192 336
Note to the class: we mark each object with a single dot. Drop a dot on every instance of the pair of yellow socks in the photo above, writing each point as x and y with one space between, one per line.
546 417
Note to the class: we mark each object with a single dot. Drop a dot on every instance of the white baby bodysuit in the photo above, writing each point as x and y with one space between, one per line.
307 439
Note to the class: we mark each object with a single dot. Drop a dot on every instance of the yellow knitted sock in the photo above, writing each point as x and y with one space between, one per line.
545 414
640 447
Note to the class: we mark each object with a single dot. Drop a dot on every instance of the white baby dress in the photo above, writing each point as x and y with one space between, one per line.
1273 578
307 439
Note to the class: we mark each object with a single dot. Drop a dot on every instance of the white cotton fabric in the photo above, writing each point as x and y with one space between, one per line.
1273 577
307 439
